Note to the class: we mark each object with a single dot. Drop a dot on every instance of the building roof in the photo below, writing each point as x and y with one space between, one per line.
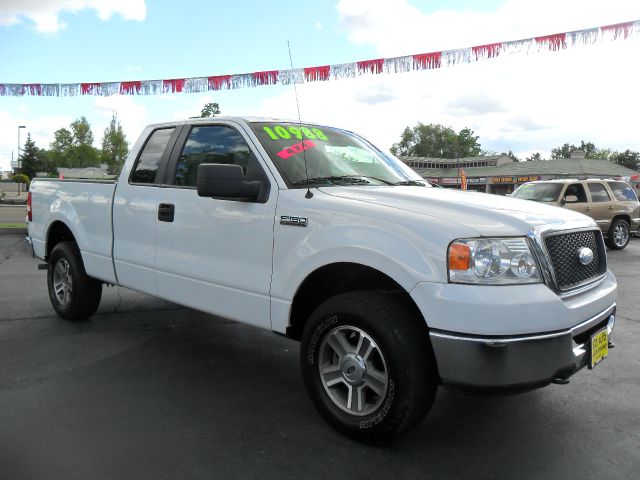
455 161
565 167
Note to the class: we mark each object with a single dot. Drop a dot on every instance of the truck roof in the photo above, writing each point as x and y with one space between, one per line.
246 119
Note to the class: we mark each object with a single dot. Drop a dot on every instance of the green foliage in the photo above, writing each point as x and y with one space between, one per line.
437 141
511 155
210 110
73 148
30 158
21 178
589 149
115 147
628 158
536 157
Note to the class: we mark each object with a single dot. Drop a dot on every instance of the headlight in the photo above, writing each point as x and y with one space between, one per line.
492 261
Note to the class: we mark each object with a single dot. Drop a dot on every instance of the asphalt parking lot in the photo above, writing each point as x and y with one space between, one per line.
148 389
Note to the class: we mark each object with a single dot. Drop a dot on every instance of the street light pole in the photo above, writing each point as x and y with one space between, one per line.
19 163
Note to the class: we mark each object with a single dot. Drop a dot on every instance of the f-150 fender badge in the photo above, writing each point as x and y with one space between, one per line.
295 221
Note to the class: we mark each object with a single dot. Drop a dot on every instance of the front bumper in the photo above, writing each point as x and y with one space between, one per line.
516 361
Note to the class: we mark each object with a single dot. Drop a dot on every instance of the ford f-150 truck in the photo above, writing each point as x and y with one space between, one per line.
391 286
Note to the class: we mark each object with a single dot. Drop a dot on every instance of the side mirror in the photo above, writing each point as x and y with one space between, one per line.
226 182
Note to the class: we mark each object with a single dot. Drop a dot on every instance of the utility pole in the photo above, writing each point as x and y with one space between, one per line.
19 164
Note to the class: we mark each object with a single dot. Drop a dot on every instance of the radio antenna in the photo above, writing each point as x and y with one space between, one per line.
304 151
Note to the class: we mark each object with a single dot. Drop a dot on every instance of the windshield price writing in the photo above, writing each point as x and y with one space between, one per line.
279 132
295 149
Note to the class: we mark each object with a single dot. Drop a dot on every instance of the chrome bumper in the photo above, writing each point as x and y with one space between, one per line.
516 361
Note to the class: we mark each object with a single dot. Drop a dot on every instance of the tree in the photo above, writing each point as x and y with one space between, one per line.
114 146
589 149
511 155
536 157
20 178
82 152
60 148
437 141
628 158
31 161
210 110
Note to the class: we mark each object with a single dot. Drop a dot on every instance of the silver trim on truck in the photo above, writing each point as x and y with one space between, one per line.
509 361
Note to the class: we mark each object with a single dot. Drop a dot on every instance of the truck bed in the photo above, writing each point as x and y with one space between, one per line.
85 206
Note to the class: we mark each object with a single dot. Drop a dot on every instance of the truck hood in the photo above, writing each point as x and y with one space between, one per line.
488 214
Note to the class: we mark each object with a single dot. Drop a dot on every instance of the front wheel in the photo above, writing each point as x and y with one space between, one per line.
74 295
368 365
618 236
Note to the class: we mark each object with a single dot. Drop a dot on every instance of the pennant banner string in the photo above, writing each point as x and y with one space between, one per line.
408 63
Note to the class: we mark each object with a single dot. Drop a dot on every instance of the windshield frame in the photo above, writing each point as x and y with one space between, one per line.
398 170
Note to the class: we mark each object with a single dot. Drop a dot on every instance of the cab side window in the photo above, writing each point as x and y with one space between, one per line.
211 144
598 193
575 194
150 157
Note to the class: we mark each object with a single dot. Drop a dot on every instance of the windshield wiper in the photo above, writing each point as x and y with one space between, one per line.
417 183
353 179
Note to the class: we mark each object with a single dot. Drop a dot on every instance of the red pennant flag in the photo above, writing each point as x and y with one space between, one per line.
371 66
556 42
130 88
220 82
175 85
426 61
489 50
269 77
314 74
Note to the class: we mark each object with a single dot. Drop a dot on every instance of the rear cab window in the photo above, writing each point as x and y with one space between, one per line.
147 167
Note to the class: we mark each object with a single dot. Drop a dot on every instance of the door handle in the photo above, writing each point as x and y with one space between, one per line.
588 209
166 212
610 207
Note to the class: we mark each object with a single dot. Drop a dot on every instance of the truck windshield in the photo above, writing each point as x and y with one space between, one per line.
538 192
333 157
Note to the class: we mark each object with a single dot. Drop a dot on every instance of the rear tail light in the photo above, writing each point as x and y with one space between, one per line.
29 213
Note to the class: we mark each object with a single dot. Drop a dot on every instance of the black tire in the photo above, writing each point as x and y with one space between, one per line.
618 235
73 294
400 346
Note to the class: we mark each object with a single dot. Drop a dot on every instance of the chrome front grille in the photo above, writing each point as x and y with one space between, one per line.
564 248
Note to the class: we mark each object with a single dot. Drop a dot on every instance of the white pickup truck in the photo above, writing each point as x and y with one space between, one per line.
393 287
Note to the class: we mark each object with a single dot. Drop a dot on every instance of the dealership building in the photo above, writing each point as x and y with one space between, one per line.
501 174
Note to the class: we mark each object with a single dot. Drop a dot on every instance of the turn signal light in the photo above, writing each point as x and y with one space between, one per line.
459 257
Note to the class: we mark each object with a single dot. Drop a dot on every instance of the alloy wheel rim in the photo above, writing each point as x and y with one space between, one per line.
620 235
353 370
62 281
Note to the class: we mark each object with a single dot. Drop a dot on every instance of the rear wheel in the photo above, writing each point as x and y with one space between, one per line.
73 294
618 236
368 366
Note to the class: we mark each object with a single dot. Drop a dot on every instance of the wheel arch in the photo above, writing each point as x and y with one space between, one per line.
340 277
621 216
58 232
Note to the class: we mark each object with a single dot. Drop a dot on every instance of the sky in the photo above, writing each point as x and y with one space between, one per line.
524 103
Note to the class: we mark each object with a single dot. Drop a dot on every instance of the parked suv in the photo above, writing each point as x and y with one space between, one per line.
611 203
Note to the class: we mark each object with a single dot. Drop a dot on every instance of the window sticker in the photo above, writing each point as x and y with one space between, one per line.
278 132
295 149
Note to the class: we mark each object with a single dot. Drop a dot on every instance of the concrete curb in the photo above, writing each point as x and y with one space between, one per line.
13 231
